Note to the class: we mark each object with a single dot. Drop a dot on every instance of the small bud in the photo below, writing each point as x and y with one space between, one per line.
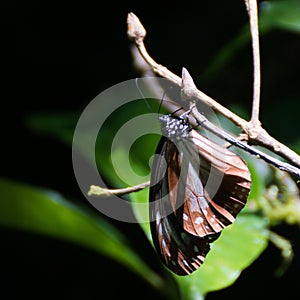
188 89
135 29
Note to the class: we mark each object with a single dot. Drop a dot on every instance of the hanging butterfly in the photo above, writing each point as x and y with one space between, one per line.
197 188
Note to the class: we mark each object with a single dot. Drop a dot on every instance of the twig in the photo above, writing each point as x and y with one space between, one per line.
189 90
102 192
256 136
134 27
286 248
252 11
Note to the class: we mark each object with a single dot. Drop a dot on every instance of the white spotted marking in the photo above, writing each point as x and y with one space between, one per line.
160 229
185 262
198 220
185 217
157 217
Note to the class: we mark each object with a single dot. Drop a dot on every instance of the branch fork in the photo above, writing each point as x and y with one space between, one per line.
252 131
256 135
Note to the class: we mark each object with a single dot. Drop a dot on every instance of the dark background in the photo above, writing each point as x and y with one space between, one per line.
68 52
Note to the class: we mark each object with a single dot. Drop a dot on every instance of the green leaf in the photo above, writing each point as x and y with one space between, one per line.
237 247
59 125
140 208
45 212
283 15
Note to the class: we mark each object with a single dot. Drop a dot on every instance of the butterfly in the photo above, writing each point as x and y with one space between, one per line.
197 188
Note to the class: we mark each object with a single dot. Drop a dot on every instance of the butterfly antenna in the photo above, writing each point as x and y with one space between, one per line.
143 96
161 101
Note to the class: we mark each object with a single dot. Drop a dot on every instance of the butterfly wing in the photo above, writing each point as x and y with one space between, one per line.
188 210
180 251
217 186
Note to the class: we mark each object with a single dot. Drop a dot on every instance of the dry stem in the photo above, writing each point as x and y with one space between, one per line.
102 192
252 11
252 129
256 134
189 90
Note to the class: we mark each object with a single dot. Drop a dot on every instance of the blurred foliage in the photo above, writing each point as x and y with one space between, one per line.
46 212
282 15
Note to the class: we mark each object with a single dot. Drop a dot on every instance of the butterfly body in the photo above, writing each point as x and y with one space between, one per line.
197 188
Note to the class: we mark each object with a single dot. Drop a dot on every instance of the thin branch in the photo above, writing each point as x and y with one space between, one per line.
252 11
134 25
256 135
188 92
286 248
102 192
